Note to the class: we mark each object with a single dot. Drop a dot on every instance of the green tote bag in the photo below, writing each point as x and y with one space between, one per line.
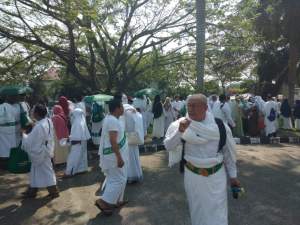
18 161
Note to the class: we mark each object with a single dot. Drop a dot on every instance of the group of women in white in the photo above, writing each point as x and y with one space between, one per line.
253 116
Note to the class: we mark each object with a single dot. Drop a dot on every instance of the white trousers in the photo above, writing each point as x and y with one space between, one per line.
207 198
114 185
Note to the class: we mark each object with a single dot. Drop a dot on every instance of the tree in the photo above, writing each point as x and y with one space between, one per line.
100 43
278 23
200 49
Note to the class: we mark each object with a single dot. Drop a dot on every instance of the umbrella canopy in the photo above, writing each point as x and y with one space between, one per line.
150 92
100 98
15 90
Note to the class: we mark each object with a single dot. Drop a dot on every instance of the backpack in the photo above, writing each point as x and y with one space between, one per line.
222 142
272 115
97 113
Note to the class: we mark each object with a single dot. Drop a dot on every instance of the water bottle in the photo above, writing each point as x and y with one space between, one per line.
237 191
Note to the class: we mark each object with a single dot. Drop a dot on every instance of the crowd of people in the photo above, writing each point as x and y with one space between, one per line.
60 134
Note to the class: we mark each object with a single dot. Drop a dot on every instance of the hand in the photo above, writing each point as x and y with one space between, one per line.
183 125
234 182
120 162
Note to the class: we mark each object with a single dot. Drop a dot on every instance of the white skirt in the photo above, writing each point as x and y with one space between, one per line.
134 169
159 127
77 160
297 124
287 123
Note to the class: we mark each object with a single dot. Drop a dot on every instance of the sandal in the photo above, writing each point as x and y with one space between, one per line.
53 196
106 211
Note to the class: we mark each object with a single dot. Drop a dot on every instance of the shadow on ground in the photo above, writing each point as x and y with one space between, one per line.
271 180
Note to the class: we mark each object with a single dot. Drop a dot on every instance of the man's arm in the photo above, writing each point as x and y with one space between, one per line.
227 112
174 133
113 138
229 152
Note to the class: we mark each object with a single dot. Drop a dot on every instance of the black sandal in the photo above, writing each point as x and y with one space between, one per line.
107 212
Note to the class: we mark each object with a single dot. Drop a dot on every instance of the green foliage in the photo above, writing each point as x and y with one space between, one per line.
278 24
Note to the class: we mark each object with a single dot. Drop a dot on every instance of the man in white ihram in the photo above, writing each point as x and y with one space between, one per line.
206 191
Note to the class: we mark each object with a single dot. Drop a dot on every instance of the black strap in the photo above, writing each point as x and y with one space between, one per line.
182 161
222 142
46 142
49 126
222 131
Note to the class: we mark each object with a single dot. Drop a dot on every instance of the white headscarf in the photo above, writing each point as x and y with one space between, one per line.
124 99
79 129
260 103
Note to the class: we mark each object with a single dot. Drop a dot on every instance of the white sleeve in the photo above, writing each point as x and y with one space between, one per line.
229 151
173 136
33 142
227 112
113 125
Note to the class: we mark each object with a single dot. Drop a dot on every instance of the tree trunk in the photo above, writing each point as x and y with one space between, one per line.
292 11
293 60
200 17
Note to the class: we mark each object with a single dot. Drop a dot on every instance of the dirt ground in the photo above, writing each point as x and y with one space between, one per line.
270 175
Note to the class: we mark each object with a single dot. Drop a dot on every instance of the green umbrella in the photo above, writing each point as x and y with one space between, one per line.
14 90
100 98
150 92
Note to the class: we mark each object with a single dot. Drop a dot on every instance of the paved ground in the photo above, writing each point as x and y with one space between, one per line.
270 175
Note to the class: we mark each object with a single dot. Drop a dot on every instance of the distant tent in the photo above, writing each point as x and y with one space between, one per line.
15 90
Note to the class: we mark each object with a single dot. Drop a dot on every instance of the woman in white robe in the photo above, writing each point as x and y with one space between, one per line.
286 114
271 127
134 124
297 115
61 131
77 160
169 113
39 144
149 114
159 119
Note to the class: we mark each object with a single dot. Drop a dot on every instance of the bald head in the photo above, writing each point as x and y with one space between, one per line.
197 106
198 98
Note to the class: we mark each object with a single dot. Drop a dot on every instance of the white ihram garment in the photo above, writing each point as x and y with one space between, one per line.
39 144
207 196
77 161
223 112
115 178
